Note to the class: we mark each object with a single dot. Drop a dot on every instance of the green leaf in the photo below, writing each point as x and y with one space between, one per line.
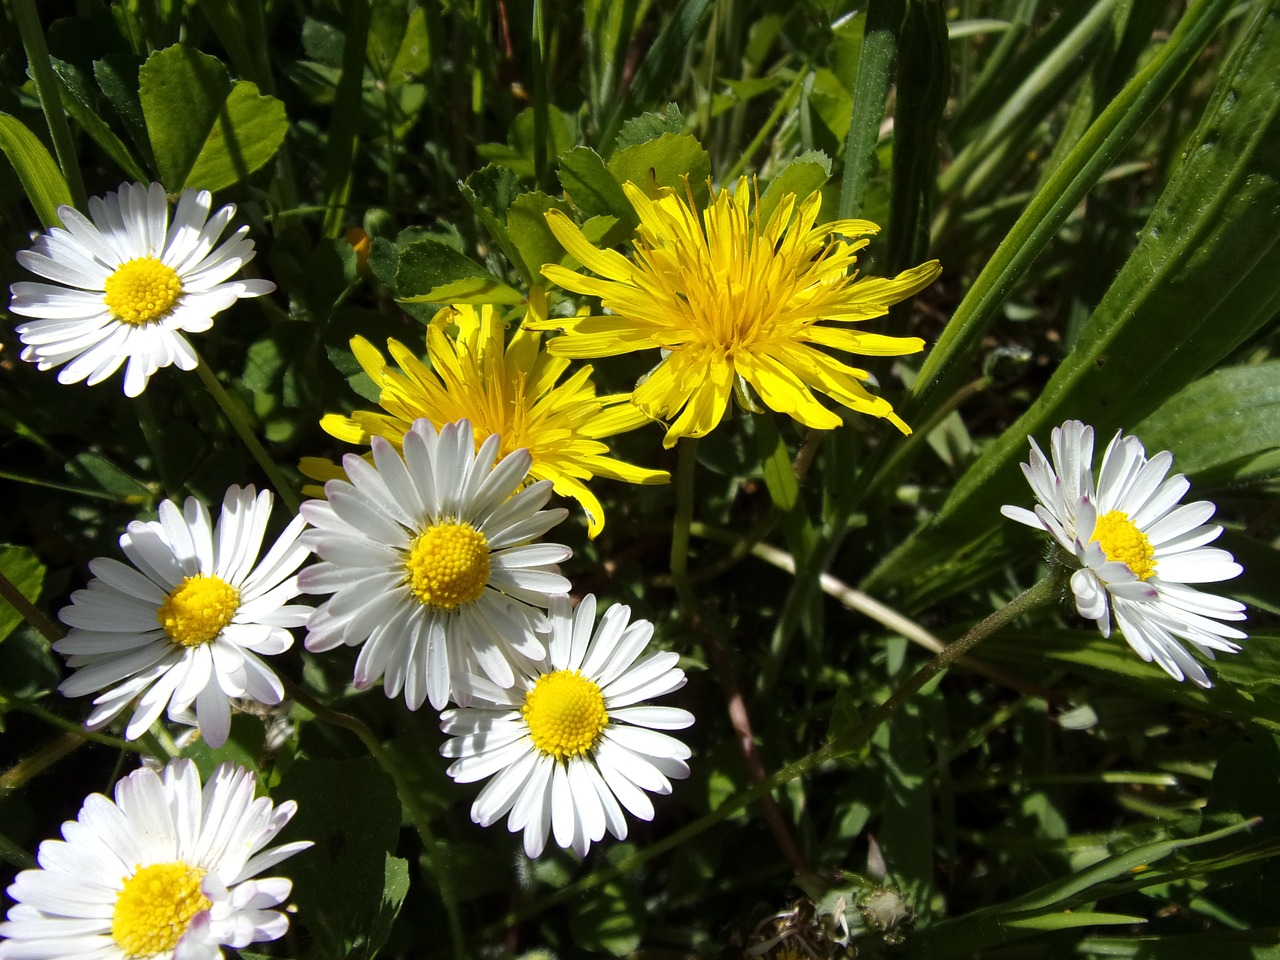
1071 920
117 78
37 171
1217 426
430 272
490 191
611 921
650 126
350 810
529 233
79 104
25 571
590 187
667 161
206 131
802 176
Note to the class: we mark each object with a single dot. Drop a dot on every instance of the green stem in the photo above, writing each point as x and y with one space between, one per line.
1044 592
48 89
239 420
15 855
48 629
45 757
417 813
685 466
67 726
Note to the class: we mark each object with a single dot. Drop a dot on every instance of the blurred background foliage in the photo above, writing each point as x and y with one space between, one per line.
1101 181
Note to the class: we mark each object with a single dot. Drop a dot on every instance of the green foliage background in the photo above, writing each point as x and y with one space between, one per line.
1101 181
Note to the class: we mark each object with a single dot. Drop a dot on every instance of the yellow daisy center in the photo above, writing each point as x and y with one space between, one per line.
142 291
155 907
565 713
1121 540
198 610
448 565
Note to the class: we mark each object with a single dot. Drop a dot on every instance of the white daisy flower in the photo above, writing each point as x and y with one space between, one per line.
128 283
572 743
164 871
431 564
190 623
1137 546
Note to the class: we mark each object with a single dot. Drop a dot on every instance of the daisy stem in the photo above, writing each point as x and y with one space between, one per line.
24 12
48 629
239 420
417 813
38 762
685 466
1045 592
51 718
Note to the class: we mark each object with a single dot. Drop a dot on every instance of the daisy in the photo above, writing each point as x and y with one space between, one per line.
1138 548
166 870
733 302
190 620
572 743
128 283
513 391
431 564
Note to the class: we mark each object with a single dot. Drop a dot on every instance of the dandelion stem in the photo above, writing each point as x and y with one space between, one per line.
417 813
685 467
239 420
1044 592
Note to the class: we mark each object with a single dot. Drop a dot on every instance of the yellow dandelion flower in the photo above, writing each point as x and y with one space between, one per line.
730 300
512 391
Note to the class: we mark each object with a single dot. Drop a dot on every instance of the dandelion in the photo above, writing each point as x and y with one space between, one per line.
1137 547
190 620
573 742
167 869
733 303
128 283
431 564
514 392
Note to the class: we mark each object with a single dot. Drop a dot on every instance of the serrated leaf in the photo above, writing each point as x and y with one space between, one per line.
430 272
25 571
802 176
665 162
37 171
530 235
650 126
590 187
206 131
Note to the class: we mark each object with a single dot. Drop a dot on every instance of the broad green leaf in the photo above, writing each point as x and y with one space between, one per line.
1217 426
528 230
350 810
430 272
249 131
1204 277
590 187
669 161
37 171
25 571
206 131
802 176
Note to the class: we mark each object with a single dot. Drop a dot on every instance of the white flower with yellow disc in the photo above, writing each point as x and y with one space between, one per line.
573 742
189 622
128 283
166 870
1138 547
431 564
